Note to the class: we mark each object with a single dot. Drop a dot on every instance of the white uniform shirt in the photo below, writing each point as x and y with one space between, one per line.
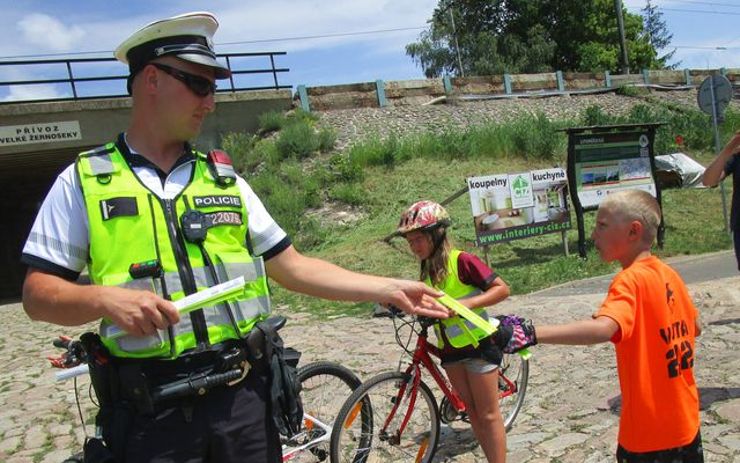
60 234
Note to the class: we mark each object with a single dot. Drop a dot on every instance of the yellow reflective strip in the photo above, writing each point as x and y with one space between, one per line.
467 314
251 271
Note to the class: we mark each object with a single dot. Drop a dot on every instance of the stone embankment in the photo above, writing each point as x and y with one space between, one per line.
569 414
354 125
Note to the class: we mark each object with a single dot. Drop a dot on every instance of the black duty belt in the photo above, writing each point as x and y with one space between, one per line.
150 382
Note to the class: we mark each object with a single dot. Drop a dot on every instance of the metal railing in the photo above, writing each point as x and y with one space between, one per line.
73 81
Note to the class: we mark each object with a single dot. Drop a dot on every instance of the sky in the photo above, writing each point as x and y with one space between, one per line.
327 41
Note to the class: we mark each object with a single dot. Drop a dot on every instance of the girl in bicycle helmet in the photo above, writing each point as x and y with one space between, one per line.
473 371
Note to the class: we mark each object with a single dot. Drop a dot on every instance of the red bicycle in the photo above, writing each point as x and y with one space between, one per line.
394 416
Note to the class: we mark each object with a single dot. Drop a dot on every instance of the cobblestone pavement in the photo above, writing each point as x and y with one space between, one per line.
568 416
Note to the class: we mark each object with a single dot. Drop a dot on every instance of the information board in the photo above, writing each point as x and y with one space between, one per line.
610 162
606 159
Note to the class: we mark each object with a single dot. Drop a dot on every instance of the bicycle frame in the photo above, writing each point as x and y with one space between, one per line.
422 357
309 423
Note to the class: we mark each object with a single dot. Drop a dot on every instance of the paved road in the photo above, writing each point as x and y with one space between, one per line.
570 408
693 269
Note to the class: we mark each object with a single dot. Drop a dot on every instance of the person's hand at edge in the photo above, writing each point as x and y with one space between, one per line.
415 298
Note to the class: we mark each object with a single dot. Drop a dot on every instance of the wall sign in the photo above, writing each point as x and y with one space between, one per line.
47 132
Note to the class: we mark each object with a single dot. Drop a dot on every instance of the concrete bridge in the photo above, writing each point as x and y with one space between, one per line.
37 140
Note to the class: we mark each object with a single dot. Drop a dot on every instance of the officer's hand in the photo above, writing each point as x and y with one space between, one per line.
415 298
139 313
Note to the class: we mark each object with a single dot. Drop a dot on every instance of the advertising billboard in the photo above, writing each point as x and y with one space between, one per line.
521 205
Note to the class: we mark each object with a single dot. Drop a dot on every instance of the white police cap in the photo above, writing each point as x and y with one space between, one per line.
187 37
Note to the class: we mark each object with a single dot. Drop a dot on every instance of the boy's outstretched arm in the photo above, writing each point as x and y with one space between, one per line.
594 331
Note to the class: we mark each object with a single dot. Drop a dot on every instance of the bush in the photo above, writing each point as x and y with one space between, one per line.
345 168
310 234
692 125
631 90
425 145
239 146
594 115
299 116
537 137
530 137
348 193
294 177
327 138
297 140
271 121
287 193
374 151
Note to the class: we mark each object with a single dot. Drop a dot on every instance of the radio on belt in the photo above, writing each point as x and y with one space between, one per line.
146 269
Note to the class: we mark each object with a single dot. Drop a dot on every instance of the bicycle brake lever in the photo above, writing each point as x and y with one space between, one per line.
395 311
62 342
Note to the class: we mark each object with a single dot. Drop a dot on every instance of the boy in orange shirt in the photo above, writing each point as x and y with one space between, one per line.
650 318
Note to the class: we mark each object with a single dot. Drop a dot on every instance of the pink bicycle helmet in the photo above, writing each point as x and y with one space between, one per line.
423 215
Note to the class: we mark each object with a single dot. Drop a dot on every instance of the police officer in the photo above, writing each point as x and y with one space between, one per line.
725 164
154 220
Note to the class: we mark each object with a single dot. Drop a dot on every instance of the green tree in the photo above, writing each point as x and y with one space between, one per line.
657 33
525 36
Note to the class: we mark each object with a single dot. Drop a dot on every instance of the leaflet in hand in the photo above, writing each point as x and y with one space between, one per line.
207 297
210 296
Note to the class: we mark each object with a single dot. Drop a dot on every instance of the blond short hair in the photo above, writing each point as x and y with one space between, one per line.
636 205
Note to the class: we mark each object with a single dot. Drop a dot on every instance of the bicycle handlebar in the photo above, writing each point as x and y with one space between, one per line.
425 321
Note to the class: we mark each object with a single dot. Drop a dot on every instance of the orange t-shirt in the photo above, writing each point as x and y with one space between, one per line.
655 356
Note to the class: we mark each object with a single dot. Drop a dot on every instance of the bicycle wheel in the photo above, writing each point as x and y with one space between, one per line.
368 428
512 384
325 386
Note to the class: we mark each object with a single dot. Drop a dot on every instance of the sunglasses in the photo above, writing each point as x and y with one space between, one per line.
197 84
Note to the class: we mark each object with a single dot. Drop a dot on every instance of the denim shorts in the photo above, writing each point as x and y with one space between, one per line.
473 365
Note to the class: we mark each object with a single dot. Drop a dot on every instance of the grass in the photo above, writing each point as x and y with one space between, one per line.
529 137
693 226
383 175
44 450
271 121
